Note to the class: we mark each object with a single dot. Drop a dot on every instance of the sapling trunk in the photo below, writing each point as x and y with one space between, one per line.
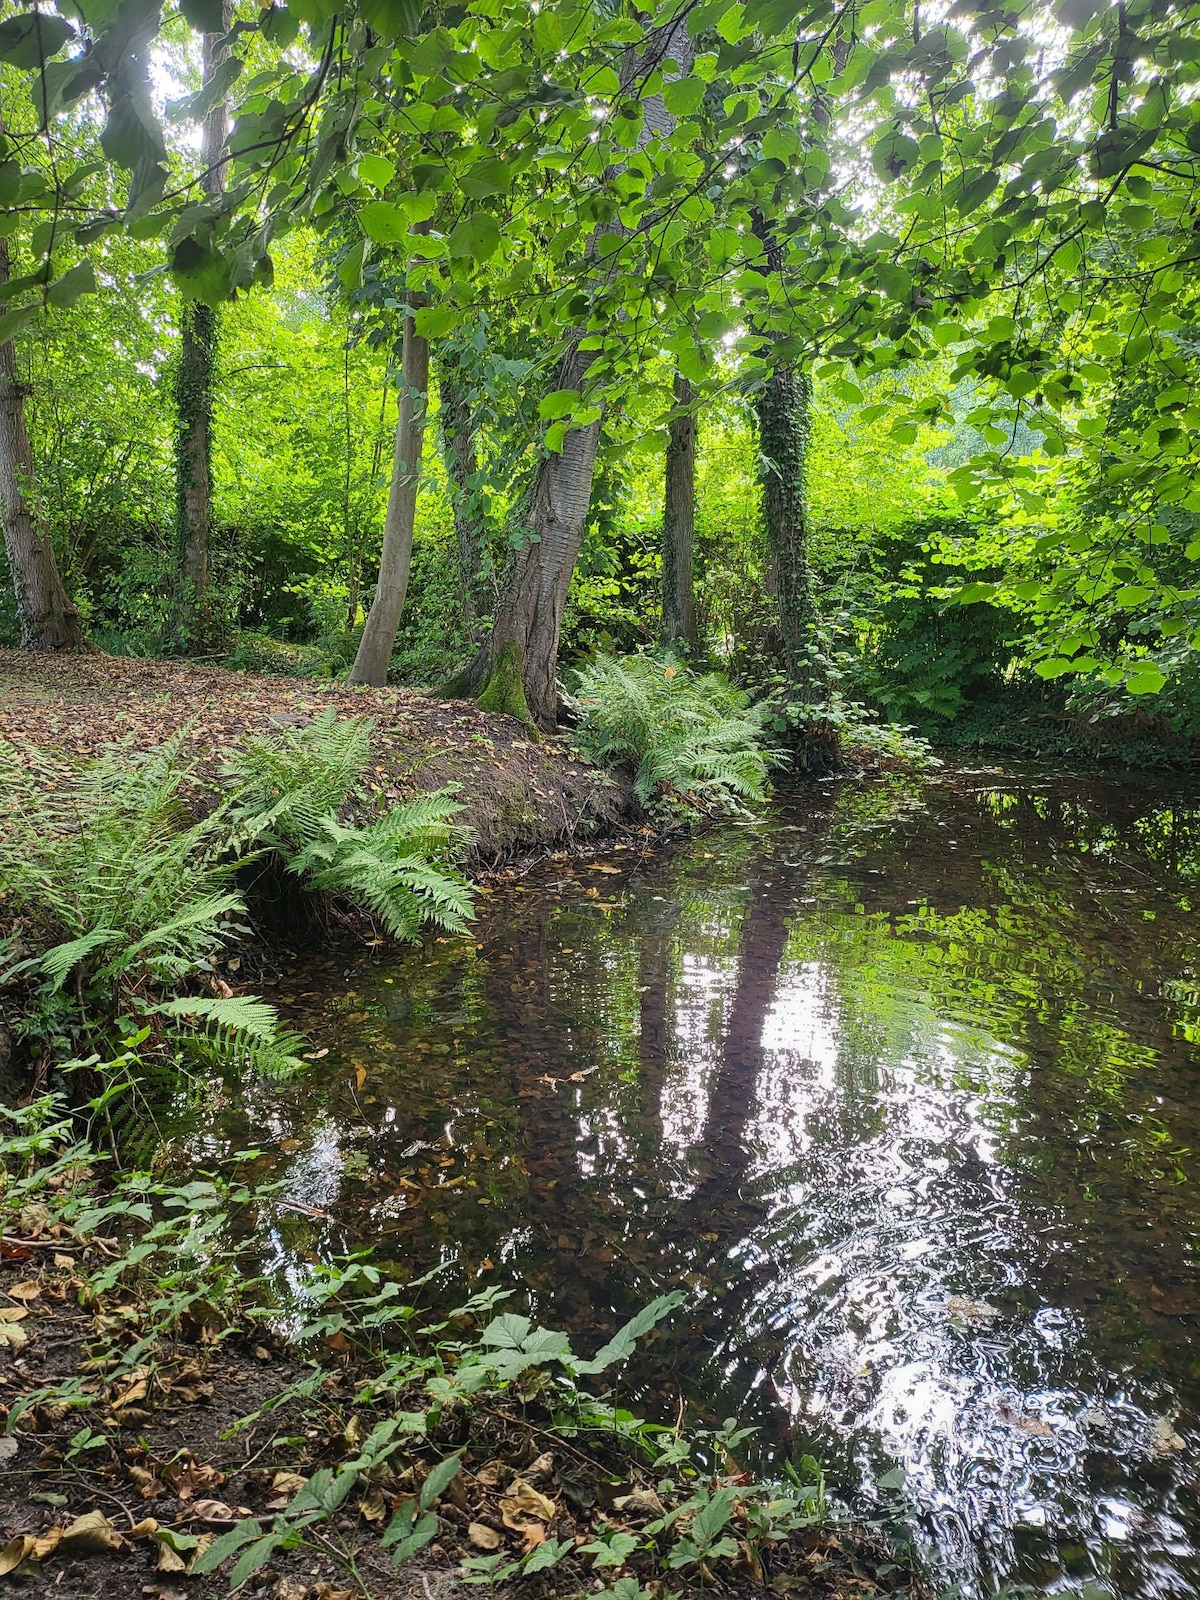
379 636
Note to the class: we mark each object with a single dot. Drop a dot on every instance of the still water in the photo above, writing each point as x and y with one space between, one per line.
901 1085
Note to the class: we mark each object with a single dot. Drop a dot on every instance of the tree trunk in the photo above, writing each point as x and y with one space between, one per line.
458 432
782 407
679 521
516 671
194 399
379 636
48 619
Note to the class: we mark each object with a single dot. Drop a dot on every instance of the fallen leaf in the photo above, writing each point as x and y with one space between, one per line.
28 1290
488 1475
145 1482
8 1448
12 1337
524 1504
135 1391
46 1543
13 1553
541 1468
483 1537
145 1529
13 1313
169 1560
360 1077
534 1535
193 1478
374 1507
65 1263
641 1503
288 1483
91 1535
213 1511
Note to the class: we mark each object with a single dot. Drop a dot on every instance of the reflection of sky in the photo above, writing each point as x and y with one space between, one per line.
902 1265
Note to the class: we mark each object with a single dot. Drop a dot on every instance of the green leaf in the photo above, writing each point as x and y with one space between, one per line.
439 1480
378 171
894 155
392 19
894 280
547 1554
682 96
78 281
202 272
557 404
203 15
16 321
28 41
228 1544
476 237
384 222
625 1339
435 322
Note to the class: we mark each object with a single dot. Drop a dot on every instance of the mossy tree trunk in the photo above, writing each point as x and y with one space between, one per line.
379 636
679 521
48 618
195 622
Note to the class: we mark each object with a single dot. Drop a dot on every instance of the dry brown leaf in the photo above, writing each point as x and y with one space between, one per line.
136 1391
541 1468
12 1337
374 1507
14 1552
288 1483
13 1313
27 1290
641 1503
483 1537
326 1591
213 1511
534 1535
46 1544
145 1529
91 1535
488 1475
145 1482
169 1560
65 1263
289 1589
191 1478
524 1504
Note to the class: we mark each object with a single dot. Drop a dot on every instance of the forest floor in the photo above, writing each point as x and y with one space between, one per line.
148 1408
522 797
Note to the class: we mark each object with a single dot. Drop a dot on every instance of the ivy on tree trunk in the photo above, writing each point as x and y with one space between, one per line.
48 618
679 521
194 621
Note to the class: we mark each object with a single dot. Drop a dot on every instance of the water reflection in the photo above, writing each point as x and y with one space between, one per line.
902 1090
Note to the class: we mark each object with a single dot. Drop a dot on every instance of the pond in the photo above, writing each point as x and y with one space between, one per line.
902 1087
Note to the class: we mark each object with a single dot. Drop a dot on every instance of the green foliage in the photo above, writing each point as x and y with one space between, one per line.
693 742
122 899
289 790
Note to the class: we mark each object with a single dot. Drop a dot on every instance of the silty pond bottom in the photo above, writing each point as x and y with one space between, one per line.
901 1085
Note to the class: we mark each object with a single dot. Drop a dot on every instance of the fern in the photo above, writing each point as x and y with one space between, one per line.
290 789
693 742
122 899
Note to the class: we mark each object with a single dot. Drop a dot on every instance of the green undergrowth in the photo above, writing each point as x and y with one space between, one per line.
478 1441
695 744
119 892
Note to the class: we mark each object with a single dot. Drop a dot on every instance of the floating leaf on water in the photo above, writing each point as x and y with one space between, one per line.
971 1313
1164 1440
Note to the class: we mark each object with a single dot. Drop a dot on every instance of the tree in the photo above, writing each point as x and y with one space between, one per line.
679 520
49 620
379 635
194 381
516 671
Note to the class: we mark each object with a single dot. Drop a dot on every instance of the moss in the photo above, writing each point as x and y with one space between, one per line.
505 690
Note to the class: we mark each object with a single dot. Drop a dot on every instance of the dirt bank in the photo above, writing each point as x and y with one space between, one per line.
522 797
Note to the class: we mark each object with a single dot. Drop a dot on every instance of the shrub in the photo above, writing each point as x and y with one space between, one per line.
693 742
